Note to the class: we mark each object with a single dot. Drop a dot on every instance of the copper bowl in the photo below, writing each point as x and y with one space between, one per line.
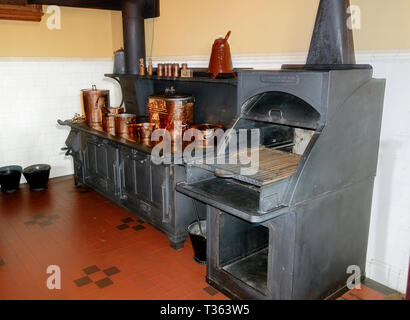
144 130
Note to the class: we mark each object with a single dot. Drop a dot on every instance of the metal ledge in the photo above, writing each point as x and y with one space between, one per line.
229 197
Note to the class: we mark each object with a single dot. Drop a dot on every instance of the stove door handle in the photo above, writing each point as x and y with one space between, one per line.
276 110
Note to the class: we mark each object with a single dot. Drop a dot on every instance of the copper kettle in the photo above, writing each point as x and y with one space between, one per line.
221 60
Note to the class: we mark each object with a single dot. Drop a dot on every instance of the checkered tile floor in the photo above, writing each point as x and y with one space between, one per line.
100 255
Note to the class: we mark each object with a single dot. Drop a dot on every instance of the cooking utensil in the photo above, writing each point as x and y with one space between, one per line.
108 123
121 124
94 100
167 108
132 132
208 135
221 60
144 130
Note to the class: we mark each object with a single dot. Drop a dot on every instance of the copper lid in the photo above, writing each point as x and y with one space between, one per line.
170 94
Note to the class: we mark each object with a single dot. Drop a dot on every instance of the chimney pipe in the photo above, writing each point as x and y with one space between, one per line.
134 33
332 41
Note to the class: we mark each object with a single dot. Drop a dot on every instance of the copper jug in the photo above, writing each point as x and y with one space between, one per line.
221 60
94 101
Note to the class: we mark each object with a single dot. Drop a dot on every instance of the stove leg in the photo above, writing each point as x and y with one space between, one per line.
176 245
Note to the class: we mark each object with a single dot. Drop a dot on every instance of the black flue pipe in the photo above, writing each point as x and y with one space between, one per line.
134 33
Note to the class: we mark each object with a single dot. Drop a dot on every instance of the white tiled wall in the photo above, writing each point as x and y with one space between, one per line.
34 93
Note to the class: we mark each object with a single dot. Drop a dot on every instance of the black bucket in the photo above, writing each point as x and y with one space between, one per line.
37 176
198 241
10 178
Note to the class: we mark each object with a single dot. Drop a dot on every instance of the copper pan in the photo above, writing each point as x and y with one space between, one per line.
121 124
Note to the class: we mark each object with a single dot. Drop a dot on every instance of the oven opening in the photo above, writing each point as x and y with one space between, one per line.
243 251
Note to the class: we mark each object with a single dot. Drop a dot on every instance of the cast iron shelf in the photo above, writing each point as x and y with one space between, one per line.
198 78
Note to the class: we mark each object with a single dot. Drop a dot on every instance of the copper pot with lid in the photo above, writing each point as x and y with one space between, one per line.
168 108
94 101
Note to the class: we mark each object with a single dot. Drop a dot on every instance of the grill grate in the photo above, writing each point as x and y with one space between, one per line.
274 165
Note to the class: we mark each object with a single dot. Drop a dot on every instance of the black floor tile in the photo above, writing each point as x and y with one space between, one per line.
45 223
127 220
83 281
211 291
111 271
104 283
91 270
137 228
123 227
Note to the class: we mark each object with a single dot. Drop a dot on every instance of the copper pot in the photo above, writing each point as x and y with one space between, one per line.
207 137
168 108
121 124
144 130
132 132
94 100
108 123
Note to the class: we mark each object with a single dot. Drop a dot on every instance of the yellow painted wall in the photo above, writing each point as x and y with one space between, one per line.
84 33
189 27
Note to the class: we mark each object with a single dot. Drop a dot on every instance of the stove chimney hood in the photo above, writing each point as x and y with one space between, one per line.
332 45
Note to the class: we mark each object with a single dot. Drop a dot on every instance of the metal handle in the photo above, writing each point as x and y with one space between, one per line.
223 174
62 123
274 109
68 151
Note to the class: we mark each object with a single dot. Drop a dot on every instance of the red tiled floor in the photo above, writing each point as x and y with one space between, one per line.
81 232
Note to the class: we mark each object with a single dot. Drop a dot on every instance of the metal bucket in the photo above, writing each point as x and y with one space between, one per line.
198 241
10 178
